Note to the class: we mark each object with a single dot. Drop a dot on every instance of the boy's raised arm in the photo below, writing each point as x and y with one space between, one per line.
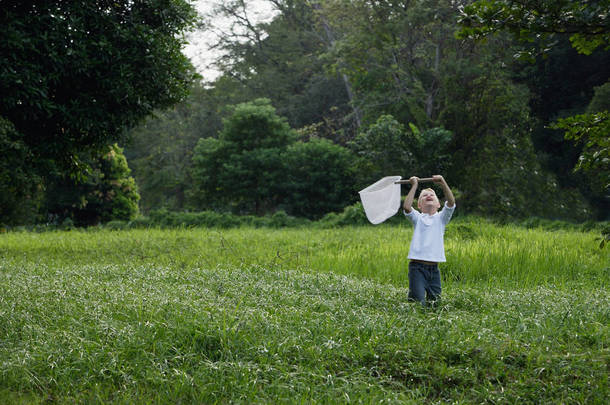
411 195
446 190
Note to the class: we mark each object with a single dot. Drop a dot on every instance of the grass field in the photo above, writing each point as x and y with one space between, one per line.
302 316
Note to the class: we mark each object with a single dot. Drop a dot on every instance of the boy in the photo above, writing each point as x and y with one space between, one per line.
427 248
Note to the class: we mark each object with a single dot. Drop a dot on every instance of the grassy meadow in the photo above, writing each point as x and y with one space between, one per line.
302 315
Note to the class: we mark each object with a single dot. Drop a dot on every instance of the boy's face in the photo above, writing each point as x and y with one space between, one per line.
428 201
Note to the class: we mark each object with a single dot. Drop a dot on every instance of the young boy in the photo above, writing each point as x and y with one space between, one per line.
427 248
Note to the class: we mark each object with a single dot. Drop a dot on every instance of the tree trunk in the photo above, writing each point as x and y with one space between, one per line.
433 89
331 42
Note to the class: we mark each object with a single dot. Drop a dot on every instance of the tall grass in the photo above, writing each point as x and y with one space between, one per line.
301 316
478 254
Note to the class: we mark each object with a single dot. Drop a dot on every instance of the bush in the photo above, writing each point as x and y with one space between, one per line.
554 225
247 151
67 224
107 193
140 222
116 225
319 178
351 215
167 219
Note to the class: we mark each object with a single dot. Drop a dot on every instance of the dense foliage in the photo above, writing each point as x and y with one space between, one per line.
390 82
318 178
75 74
364 89
563 80
20 192
388 148
256 166
160 150
562 83
242 169
585 21
107 193
593 131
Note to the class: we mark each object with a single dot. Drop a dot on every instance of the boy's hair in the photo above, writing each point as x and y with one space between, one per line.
428 189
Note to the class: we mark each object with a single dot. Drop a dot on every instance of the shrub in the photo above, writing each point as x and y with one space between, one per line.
116 225
351 215
168 219
319 178
106 194
242 170
140 222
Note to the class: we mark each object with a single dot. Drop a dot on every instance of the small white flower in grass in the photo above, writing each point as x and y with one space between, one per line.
331 344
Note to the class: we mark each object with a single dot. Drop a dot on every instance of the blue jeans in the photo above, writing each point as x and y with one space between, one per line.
424 282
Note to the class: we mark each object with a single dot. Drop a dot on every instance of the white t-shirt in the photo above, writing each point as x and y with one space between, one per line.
427 242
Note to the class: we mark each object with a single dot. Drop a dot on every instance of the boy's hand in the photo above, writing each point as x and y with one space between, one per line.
414 181
448 194
438 178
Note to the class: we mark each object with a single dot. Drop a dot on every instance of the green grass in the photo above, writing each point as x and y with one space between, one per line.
301 316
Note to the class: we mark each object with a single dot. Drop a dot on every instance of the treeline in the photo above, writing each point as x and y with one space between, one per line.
330 96
310 107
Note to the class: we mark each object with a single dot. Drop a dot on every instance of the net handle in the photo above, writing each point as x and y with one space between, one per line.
418 180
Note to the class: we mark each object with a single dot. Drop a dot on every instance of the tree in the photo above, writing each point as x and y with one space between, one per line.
257 166
542 24
493 159
601 99
388 148
280 60
161 149
404 61
586 22
20 186
107 193
593 131
394 54
242 170
75 74
561 83
319 178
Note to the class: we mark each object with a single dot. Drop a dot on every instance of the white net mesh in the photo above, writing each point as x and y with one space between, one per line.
381 200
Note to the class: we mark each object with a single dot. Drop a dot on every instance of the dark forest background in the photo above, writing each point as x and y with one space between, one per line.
103 118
